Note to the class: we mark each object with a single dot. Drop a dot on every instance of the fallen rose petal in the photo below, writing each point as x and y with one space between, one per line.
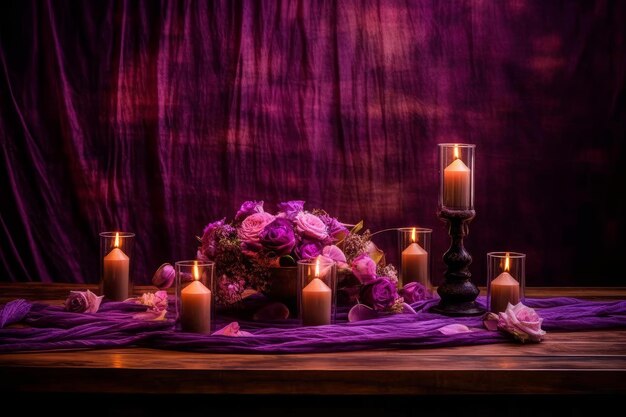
452 329
232 329
407 309
361 312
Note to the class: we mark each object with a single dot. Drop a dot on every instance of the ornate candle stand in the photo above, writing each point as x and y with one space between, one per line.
456 209
458 293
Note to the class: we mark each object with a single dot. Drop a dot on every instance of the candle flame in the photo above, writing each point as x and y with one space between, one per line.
456 151
413 235
317 268
196 272
507 262
116 244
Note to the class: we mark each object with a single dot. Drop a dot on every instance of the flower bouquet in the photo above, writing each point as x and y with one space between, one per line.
250 249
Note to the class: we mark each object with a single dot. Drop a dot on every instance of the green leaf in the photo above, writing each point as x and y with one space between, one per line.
287 260
357 227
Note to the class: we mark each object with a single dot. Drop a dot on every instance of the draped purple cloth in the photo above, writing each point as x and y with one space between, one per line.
159 116
113 326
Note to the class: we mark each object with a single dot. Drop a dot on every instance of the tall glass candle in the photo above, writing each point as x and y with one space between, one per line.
194 295
456 190
316 289
115 279
505 279
414 246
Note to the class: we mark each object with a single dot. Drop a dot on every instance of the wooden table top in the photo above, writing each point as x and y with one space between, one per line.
565 363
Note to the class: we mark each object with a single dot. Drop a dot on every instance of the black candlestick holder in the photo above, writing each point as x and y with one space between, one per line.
458 293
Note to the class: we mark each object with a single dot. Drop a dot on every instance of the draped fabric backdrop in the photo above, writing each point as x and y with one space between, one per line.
158 117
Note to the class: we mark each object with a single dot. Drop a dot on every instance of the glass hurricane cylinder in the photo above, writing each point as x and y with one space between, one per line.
456 176
317 291
506 279
414 255
195 289
116 265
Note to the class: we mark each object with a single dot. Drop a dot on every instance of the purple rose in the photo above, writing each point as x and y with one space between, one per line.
83 302
336 230
278 237
380 294
415 291
248 208
250 230
308 249
522 322
291 208
209 238
364 268
311 226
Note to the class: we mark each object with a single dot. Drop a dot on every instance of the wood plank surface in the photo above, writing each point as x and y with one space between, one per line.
565 363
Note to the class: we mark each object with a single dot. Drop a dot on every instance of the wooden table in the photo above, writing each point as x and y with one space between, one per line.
565 363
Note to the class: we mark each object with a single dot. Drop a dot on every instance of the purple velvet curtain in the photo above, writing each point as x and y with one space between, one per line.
158 117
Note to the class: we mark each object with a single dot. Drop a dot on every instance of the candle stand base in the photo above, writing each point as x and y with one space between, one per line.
458 293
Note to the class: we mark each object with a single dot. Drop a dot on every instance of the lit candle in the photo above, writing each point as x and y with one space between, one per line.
415 263
504 289
115 275
195 315
316 301
456 183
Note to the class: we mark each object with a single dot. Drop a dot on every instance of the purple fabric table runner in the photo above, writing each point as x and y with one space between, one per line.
51 328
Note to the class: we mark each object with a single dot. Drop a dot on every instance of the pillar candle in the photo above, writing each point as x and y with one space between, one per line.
504 290
115 278
195 315
316 303
456 180
415 265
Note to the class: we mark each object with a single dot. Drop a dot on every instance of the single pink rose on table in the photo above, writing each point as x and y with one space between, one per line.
522 322
250 230
311 226
364 268
83 302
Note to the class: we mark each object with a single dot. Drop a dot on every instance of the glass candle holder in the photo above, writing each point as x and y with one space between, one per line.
317 291
456 176
116 261
506 279
195 287
414 250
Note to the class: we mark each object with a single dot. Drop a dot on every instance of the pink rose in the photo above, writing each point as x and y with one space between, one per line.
364 268
522 322
251 228
311 226
154 301
336 254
